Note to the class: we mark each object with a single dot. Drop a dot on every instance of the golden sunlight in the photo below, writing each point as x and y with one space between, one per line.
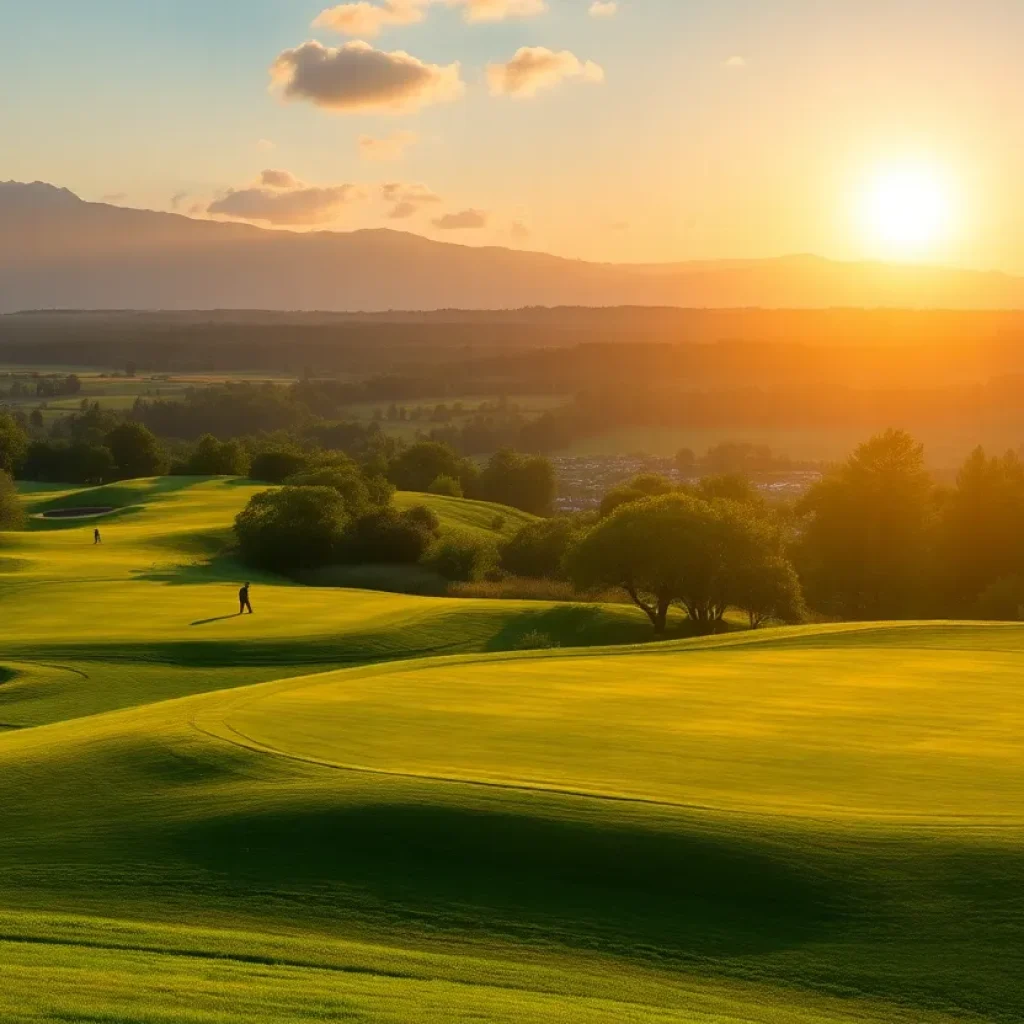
906 210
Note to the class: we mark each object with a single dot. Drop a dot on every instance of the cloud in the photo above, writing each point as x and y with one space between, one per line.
367 19
266 145
178 199
499 10
114 197
407 198
279 179
604 9
391 148
465 220
534 68
736 62
281 199
355 78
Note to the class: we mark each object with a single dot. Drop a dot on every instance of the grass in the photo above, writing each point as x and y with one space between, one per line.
815 825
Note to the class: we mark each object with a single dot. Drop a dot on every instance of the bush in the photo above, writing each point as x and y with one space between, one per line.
380 489
447 486
347 482
425 519
498 523
463 557
422 463
211 457
539 549
387 536
536 640
12 515
13 444
1002 601
292 528
275 465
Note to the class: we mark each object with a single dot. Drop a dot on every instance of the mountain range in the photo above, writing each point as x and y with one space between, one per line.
60 252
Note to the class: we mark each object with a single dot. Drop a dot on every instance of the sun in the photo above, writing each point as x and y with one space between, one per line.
906 210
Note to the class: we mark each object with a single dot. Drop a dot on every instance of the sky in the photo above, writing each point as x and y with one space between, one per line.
629 131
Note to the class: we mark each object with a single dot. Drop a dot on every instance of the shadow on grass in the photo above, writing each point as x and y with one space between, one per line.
585 882
217 618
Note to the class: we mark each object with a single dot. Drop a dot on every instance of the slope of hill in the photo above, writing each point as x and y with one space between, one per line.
59 252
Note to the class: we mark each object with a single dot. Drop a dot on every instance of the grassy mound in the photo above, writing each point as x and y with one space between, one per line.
803 825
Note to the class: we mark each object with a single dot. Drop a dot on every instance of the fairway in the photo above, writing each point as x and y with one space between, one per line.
358 806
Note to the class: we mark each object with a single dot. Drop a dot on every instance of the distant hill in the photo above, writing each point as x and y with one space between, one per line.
57 251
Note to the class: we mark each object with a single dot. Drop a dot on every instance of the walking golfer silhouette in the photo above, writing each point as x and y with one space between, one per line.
96 538
243 600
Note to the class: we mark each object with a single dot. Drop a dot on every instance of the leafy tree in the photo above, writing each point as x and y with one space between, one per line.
211 457
675 549
980 540
864 542
769 588
463 557
136 451
419 465
12 515
88 464
538 550
525 482
347 481
448 486
275 465
386 536
13 444
731 486
646 485
686 461
292 528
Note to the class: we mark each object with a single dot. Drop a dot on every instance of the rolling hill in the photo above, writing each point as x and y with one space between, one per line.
811 825
57 251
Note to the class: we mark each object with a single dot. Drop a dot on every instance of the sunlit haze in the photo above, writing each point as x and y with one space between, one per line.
644 130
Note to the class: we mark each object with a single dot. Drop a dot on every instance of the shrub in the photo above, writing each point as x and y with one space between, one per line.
385 535
539 549
292 528
536 640
425 519
380 489
498 523
12 516
275 465
463 557
347 482
447 486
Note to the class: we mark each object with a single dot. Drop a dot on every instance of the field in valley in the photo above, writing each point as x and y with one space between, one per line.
363 806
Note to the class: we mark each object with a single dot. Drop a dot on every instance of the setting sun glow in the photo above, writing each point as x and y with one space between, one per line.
906 211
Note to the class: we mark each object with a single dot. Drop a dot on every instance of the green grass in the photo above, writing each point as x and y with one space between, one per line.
815 825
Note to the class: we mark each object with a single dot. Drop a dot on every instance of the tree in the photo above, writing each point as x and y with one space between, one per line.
12 515
419 465
13 444
769 588
136 451
447 486
211 457
347 481
1002 600
538 550
463 557
865 532
387 536
292 528
646 485
525 482
676 549
275 465
732 486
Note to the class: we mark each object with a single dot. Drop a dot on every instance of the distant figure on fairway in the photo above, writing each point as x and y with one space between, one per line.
243 600
96 538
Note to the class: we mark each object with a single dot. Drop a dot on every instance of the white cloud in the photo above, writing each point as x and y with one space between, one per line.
281 199
266 145
736 62
391 148
604 9
465 220
367 19
499 10
356 78
534 68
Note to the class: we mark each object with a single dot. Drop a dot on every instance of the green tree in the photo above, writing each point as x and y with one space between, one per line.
463 557
865 533
769 588
292 528
346 480
13 444
419 465
448 486
387 536
211 457
538 550
275 465
136 451
12 515
525 482
646 485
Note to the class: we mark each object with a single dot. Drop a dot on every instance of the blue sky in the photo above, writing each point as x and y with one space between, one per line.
731 128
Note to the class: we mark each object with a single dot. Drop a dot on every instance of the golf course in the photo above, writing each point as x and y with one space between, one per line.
363 806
